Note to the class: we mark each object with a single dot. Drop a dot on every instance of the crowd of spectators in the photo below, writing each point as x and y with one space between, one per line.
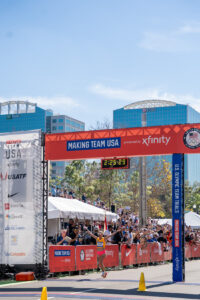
75 232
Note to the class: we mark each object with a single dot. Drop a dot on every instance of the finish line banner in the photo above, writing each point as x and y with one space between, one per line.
111 143
21 203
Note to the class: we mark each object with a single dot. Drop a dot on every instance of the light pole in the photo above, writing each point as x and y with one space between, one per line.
143 181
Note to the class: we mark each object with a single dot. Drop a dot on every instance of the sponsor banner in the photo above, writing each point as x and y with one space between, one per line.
112 256
196 251
143 254
61 258
86 257
178 217
128 255
157 253
111 143
21 203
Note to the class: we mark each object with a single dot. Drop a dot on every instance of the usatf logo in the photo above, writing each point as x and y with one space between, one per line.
191 138
12 176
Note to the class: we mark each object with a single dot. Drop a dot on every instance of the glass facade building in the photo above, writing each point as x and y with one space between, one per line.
23 115
157 113
62 123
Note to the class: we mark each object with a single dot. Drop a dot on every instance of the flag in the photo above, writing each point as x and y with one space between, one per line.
105 224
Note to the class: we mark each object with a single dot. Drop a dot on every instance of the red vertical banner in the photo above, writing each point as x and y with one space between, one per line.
86 257
157 253
143 254
61 258
128 255
112 256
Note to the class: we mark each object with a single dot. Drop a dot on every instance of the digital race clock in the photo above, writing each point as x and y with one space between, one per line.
115 163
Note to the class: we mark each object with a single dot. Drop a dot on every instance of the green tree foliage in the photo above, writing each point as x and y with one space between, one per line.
74 177
192 197
160 182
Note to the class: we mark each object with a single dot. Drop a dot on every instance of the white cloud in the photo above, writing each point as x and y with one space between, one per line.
178 40
57 103
193 27
129 96
165 42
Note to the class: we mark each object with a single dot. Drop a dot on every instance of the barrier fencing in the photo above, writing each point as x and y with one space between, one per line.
83 257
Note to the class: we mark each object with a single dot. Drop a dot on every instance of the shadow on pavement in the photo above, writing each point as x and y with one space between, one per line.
130 292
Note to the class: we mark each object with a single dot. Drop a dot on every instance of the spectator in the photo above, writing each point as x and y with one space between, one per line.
63 239
74 235
108 232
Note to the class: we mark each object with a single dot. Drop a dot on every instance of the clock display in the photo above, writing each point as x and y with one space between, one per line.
115 163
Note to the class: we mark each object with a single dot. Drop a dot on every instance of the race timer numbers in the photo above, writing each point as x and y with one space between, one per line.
115 163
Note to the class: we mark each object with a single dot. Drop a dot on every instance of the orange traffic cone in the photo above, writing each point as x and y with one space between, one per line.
44 294
142 287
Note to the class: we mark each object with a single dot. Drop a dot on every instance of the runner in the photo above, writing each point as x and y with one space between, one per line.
101 245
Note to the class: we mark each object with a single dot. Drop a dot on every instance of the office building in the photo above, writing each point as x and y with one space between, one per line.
23 115
62 123
156 113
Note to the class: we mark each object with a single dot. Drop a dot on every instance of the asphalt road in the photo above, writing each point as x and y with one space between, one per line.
118 285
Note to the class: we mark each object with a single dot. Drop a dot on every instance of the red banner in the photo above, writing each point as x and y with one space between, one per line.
143 254
111 143
128 255
157 253
112 256
86 257
61 258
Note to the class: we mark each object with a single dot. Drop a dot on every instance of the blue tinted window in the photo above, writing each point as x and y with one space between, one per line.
54 121
60 120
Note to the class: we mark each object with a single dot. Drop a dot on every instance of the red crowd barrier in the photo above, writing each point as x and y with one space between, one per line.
61 258
128 255
195 251
112 256
70 258
168 254
188 251
157 253
86 257
143 254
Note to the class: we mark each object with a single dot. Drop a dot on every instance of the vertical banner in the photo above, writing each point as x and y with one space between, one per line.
178 217
21 198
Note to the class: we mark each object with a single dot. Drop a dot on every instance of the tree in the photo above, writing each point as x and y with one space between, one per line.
74 177
160 183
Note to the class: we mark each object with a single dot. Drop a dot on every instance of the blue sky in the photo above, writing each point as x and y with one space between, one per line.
85 58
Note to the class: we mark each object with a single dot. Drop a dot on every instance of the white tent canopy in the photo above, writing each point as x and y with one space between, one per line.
191 219
59 207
